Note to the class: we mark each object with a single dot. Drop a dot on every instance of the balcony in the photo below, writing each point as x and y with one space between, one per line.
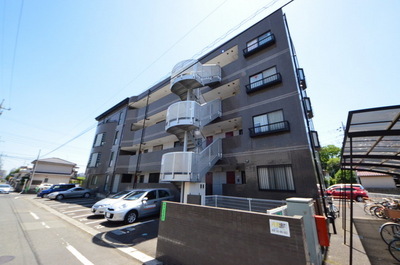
191 74
260 45
302 78
264 83
190 115
190 166
269 128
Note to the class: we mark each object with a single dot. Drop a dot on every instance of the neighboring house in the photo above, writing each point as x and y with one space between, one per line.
371 180
52 170
236 122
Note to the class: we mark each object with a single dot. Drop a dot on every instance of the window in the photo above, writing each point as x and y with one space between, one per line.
154 177
269 122
99 140
163 193
152 195
259 43
157 147
110 164
116 137
275 178
94 180
126 178
266 78
94 160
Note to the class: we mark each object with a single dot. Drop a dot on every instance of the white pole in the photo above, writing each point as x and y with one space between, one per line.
34 170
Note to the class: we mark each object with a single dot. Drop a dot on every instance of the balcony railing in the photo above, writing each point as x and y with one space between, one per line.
260 45
189 115
269 128
191 74
264 83
190 166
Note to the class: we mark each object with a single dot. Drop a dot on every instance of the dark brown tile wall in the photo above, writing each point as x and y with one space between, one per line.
199 235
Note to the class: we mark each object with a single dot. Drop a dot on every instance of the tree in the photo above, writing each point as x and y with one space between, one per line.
330 160
345 176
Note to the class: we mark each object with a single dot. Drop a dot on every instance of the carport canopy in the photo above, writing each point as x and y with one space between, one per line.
372 140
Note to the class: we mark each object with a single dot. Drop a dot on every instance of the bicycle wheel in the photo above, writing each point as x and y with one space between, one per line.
379 212
394 249
389 231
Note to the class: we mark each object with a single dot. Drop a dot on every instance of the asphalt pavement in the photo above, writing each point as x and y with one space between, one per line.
140 239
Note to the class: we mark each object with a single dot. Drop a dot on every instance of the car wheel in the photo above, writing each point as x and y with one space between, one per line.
86 195
60 197
131 217
359 199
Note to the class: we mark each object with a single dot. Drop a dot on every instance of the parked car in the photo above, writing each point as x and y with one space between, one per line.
71 193
57 187
99 207
6 188
45 186
139 203
342 185
345 192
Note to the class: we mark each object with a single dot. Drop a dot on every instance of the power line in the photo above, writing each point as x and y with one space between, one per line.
67 142
15 48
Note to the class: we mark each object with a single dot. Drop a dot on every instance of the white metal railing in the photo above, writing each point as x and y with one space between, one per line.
192 113
190 166
191 69
246 204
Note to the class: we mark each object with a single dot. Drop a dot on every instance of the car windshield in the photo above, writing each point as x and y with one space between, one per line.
4 185
135 195
119 194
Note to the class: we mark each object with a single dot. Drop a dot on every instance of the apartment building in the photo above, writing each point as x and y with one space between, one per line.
234 122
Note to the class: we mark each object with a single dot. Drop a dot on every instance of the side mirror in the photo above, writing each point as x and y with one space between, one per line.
145 199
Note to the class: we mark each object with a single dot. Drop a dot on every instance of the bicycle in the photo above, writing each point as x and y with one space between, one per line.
389 231
394 249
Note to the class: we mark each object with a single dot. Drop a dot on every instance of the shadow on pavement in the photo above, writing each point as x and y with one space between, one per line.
377 250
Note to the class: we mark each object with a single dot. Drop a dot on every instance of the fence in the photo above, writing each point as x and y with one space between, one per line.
246 204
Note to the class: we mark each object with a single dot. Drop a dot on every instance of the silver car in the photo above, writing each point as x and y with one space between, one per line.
139 203
5 188
99 207
70 193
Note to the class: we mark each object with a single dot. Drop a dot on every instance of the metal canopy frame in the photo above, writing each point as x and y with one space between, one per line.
372 140
371 143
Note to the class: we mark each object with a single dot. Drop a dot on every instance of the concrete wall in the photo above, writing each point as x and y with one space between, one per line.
385 182
193 234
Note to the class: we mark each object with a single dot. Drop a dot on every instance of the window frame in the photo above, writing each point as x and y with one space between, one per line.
263 79
272 182
270 126
259 43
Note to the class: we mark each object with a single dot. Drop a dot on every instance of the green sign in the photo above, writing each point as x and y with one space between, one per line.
163 211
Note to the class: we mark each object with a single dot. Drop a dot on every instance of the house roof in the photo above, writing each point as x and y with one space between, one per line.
370 174
54 160
372 140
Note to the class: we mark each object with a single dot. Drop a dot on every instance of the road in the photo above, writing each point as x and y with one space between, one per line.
42 231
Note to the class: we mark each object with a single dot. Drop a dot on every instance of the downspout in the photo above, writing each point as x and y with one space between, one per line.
141 140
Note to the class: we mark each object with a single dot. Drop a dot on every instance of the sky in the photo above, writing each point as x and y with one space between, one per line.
63 63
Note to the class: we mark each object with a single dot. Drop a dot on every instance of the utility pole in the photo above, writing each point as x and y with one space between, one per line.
2 108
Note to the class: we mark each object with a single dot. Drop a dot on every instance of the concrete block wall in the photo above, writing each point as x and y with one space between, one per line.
198 235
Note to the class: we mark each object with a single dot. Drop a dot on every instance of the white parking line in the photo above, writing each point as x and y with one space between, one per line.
34 216
97 221
45 225
81 210
79 256
78 216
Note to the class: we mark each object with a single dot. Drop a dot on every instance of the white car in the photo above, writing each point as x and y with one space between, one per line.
139 203
5 188
99 207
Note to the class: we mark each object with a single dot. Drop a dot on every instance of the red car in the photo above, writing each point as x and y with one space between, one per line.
345 192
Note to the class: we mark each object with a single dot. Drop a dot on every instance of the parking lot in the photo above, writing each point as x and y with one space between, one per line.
142 235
